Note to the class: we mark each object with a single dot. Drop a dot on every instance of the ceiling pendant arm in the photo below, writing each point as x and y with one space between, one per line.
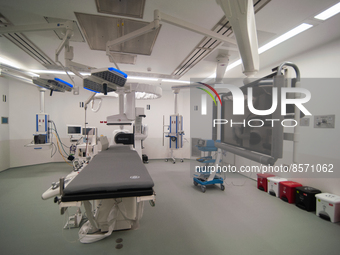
35 28
240 14
65 41
148 28
192 27
67 26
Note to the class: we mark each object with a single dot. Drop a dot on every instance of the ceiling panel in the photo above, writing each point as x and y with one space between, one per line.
172 44
99 30
128 8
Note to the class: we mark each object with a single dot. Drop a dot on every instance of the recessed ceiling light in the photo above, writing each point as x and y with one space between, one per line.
234 64
142 78
57 72
49 71
295 31
330 12
175 81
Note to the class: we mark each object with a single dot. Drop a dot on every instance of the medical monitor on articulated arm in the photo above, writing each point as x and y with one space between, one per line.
90 134
244 131
73 130
250 135
258 133
89 131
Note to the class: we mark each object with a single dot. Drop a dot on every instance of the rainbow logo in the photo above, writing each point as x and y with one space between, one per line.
209 93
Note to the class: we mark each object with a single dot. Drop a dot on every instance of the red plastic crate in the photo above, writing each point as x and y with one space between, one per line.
287 191
262 183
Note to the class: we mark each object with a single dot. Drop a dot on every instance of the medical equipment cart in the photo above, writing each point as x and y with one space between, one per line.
203 174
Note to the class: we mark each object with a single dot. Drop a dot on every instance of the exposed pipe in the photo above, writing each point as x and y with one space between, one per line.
121 103
42 100
176 103
68 35
296 128
296 84
297 71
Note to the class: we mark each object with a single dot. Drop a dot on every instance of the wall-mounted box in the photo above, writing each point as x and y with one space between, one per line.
4 120
324 121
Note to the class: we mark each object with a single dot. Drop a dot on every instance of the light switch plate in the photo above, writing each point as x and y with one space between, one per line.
304 122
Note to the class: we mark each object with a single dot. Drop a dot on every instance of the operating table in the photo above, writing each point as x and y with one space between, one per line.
118 182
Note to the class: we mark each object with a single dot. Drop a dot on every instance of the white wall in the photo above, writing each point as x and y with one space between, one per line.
201 125
184 109
164 106
64 109
4 128
24 104
317 146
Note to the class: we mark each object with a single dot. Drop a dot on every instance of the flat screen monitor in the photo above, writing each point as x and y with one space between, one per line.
73 130
260 135
86 131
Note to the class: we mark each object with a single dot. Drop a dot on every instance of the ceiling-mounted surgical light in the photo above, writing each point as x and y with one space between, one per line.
145 91
330 12
129 77
54 84
144 95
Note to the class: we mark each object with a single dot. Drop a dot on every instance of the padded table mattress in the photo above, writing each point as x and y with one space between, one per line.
113 173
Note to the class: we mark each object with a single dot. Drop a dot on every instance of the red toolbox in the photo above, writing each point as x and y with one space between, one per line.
262 182
287 191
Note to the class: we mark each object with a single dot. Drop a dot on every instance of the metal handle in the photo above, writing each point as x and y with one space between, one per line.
61 186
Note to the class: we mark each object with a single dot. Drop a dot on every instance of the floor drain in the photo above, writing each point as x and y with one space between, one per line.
119 246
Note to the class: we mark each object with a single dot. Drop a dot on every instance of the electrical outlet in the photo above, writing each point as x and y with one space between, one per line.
324 121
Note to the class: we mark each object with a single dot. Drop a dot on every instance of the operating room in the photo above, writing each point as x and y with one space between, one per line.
169 127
